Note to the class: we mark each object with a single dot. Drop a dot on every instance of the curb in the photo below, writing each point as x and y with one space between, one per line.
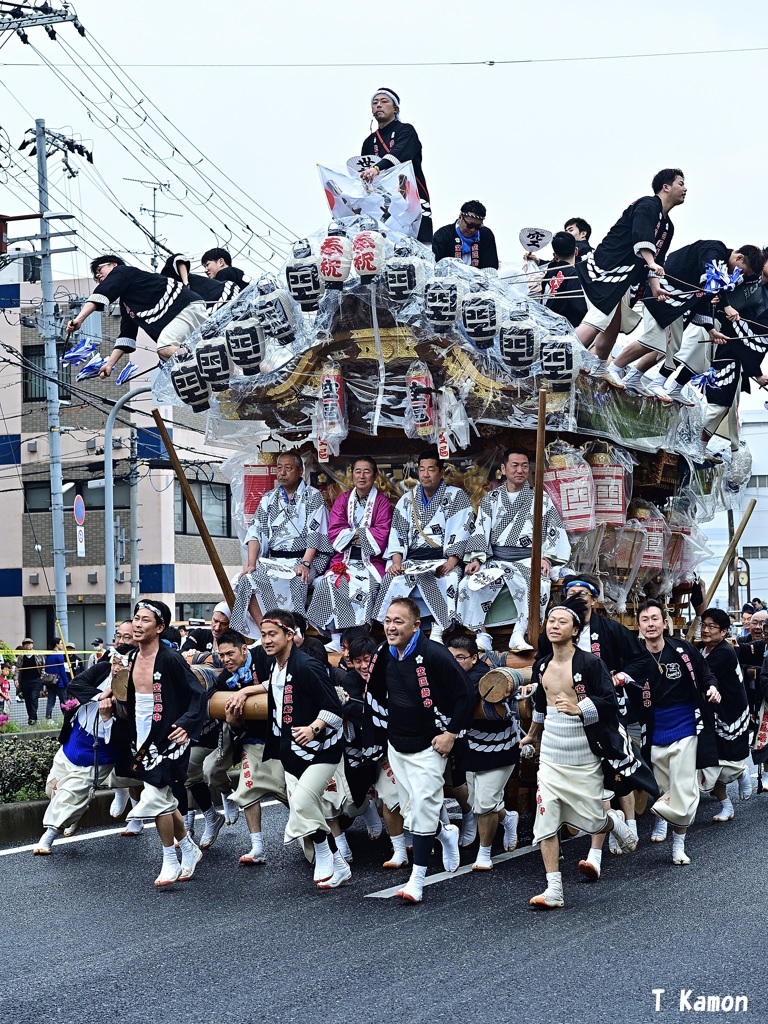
23 822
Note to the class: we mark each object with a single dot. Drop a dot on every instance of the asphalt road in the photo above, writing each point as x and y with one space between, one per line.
87 938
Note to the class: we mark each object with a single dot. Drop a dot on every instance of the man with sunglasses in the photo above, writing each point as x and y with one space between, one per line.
468 240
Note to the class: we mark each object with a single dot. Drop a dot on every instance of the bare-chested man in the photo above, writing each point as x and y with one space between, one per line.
165 705
576 707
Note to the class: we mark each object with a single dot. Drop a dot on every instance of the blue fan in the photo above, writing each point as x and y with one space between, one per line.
80 353
718 278
92 368
128 371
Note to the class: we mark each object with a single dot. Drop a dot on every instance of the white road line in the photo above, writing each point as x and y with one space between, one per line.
98 835
445 876
465 869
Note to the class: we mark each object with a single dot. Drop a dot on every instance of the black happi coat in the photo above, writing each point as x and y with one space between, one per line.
616 266
179 701
308 691
686 275
149 301
732 713
562 292
494 740
447 243
739 358
362 750
396 144
623 769
442 700
645 671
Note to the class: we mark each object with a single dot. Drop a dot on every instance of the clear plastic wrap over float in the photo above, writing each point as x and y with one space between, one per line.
568 482
374 301
687 547
621 553
652 578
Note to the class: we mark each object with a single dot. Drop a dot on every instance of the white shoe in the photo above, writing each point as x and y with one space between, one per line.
517 642
509 824
255 855
189 862
659 831
625 837
676 393
679 856
413 890
168 875
613 845
71 829
483 860
342 873
658 390
134 827
119 803
373 822
484 641
726 811
212 829
449 840
334 645
589 870
323 863
636 383
611 376
230 808
745 785
552 897
436 635
468 832
45 847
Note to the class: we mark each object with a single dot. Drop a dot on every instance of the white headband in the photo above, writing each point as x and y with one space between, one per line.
565 608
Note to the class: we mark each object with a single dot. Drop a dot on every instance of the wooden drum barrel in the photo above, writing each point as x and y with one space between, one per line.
255 707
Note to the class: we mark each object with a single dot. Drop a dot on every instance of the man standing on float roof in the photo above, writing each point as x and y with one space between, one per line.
394 143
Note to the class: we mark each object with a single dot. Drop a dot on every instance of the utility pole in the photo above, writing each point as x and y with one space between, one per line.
48 330
156 186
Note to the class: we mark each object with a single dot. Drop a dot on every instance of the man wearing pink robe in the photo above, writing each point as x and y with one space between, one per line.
358 530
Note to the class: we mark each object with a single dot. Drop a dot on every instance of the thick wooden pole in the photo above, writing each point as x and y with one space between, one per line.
197 515
724 564
534 598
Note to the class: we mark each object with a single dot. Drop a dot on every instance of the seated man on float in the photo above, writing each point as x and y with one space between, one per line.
358 530
431 525
497 576
287 546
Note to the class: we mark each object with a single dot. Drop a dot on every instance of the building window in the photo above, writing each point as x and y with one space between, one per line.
214 503
94 497
38 497
33 379
755 552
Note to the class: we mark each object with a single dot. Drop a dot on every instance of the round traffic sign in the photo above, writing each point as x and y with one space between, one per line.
78 510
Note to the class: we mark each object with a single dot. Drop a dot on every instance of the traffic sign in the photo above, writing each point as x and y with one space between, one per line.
78 509
81 542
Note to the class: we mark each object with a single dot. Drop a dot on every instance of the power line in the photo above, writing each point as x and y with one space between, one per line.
425 63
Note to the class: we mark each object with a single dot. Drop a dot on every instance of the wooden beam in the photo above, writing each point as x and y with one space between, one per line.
197 515
724 564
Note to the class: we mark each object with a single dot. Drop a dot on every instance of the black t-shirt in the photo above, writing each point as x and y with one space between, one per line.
671 683
407 716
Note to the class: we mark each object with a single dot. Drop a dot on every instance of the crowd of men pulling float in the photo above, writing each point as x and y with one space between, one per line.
401 723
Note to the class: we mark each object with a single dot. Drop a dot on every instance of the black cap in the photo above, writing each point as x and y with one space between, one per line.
96 640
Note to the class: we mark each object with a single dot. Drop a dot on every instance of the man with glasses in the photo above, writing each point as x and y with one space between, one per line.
498 555
467 240
731 715
164 309
751 652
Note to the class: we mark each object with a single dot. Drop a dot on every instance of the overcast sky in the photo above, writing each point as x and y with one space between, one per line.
536 142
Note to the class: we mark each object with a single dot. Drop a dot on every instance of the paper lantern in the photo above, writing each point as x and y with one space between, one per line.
442 301
273 311
519 345
302 276
214 363
368 253
404 277
258 480
335 258
189 385
246 344
610 489
480 317
560 361
568 482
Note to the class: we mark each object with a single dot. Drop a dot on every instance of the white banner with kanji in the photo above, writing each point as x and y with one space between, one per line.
391 198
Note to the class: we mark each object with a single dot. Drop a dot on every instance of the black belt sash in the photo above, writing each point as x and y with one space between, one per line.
424 554
510 553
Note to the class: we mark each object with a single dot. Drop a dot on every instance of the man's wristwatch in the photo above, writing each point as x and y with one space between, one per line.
307 565
316 730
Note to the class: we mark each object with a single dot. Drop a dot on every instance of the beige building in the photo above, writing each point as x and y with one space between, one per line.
173 565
